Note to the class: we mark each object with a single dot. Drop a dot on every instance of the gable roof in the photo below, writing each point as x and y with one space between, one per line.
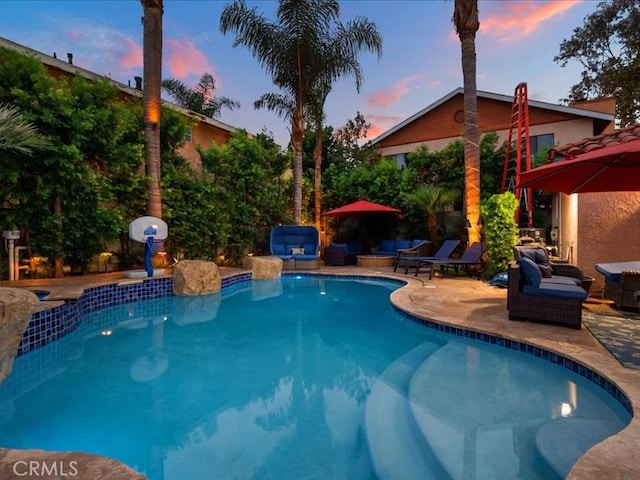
73 69
580 112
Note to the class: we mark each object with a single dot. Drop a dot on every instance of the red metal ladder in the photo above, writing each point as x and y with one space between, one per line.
513 163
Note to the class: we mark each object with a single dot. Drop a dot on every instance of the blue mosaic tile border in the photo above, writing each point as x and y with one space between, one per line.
55 323
528 349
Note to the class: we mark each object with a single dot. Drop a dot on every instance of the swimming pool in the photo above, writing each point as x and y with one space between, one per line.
304 377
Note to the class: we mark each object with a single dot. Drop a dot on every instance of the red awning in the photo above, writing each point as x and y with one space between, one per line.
361 207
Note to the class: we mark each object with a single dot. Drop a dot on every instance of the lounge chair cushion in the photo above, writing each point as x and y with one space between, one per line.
530 272
415 243
556 290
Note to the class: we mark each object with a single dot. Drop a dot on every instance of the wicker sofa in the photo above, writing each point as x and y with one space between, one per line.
297 245
549 269
540 300
342 253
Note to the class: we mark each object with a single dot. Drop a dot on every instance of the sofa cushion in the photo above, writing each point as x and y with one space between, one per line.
538 255
339 245
530 272
387 245
278 249
401 244
415 243
556 290
310 249
563 280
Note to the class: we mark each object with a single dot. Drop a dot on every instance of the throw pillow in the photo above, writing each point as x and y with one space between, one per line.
545 270
530 272
297 251
529 253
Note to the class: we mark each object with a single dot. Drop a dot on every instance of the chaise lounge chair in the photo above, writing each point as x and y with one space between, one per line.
472 256
409 260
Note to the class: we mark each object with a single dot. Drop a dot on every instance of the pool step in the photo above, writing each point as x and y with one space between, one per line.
428 390
562 441
398 449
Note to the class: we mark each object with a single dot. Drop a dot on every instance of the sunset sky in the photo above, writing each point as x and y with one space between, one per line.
420 61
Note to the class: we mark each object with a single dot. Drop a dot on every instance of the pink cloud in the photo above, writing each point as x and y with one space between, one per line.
183 60
519 19
131 56
385 97
381 123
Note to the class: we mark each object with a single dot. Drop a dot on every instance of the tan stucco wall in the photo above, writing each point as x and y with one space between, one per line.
564 132
608 230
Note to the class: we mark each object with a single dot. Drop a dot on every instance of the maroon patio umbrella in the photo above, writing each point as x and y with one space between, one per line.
361 207
607 169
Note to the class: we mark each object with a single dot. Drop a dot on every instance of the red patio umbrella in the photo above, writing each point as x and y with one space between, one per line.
607 169
361 207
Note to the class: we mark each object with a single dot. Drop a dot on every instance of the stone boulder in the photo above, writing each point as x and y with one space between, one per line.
265 268
16 307
196 277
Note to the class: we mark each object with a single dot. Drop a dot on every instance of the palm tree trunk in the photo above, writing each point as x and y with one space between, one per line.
152 77
317 179
297 135
57 213
467 24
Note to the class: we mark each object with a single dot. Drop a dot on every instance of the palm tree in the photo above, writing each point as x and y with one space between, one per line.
432 200
316 113
151 101
16 134
465 19
306 46
199 99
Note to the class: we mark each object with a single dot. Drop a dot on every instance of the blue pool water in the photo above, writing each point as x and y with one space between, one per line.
299 378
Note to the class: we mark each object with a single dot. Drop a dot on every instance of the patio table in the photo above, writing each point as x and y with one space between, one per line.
612 272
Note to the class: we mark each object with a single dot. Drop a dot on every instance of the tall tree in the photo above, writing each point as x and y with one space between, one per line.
608 48
201 98
151 100
465 19
316 113
295 52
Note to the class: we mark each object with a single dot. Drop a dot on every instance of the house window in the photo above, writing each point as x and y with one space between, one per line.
188 135
401 160
541 142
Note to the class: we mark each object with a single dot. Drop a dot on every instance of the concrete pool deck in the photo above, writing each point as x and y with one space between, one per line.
472 305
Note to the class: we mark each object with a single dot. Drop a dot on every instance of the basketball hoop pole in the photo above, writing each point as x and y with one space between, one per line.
148 251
